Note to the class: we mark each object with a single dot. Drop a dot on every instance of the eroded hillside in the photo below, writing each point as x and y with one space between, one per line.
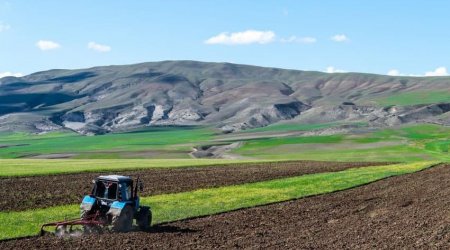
229 96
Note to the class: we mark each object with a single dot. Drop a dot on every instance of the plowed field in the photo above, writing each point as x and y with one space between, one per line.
407 212
46 191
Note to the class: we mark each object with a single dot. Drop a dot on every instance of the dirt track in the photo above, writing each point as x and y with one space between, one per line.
45 191
407 212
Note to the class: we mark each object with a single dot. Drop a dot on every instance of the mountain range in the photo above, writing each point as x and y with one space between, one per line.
230 97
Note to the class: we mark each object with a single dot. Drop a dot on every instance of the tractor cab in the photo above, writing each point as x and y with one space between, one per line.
112 188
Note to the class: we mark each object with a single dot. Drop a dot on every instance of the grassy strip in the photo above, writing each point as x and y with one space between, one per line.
173 139
403 144
289 126
414 97
170 207
398 153
258 144
292 127
35 167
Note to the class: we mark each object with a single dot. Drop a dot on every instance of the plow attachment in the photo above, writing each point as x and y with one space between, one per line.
67 226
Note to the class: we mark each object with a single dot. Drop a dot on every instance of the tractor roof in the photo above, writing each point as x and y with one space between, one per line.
117 178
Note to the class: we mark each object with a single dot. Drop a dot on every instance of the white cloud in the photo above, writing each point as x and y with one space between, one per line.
440 71
340 38
393 72
244 37
7 73
332 69
99 47
294 39
47 45
4 27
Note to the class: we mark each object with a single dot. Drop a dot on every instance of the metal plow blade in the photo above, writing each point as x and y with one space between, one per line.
74 227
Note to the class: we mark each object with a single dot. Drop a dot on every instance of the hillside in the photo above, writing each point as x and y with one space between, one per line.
228 96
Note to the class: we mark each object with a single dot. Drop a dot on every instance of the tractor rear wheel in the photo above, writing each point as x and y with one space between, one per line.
144 218
124 221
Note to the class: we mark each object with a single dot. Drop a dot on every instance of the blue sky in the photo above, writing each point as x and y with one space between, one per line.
399 37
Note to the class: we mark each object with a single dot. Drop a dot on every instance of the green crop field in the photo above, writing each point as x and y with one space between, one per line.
170 142
289 126
170 207
168 146
413 98
293 127
403 144
258 144
32 167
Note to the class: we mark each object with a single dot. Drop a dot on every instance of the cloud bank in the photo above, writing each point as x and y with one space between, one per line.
47 45
7 73
340 38
244 37
439 71
331 69
393 72
98 47
295 39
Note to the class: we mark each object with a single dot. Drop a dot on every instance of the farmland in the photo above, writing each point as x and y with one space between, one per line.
32 167
400 212
39 191
414 97
170 207
275 171
276 142
407 143
159 142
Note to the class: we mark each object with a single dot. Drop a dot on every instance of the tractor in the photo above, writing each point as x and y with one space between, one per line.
113 205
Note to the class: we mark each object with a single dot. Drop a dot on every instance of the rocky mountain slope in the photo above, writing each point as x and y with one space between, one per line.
229 96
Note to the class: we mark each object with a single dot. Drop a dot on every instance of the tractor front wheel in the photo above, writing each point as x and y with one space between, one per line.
124 221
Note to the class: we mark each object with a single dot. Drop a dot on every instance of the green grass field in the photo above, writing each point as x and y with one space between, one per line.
170 207
172 145
289 126
292 127
175 141
413 98
35 167
403 144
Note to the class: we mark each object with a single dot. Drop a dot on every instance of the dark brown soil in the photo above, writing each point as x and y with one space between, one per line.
45 191
405 212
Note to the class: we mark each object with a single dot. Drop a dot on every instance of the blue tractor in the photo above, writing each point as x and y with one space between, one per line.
113 204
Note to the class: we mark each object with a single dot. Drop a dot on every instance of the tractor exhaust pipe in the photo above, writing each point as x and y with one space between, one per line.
136 187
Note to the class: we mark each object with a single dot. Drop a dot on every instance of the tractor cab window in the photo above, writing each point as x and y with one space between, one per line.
126 191
106 190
